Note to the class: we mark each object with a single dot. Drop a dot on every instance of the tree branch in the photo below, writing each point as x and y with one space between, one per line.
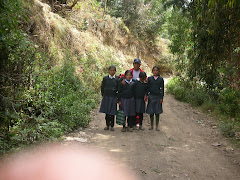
74 3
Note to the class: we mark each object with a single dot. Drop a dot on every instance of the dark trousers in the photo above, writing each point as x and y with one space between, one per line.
140 118
140 115
130 121
109 120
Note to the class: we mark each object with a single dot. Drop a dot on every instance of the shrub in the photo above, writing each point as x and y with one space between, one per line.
229 101
176 88
197 97
228 129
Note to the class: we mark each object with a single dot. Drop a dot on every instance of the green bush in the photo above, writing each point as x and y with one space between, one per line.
209 106
228 129
72 100
197 96
57 102
229 102
38 103
175 87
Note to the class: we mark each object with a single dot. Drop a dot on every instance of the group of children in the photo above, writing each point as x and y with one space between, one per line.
131 90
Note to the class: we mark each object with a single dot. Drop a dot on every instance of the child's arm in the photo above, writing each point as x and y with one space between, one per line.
146 92
146 98
147 87
122 79
102 86
162 91
119 92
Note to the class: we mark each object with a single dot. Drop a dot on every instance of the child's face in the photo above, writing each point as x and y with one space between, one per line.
136 66
155 72
112 71
128 76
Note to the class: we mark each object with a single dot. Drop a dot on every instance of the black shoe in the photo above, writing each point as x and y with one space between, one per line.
151 128
112 129
106 128
123 129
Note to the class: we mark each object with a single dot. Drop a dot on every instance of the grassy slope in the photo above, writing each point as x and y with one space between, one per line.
85 33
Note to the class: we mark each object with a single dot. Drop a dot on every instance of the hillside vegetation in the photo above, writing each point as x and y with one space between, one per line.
205 41
54 54
53 63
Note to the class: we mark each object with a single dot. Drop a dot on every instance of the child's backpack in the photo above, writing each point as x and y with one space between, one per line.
120 118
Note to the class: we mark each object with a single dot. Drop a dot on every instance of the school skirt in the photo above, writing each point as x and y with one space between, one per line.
109 105
154 106
128 106
140 105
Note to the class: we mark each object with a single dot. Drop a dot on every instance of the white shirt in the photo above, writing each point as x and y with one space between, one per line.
111 77
136 74
128 81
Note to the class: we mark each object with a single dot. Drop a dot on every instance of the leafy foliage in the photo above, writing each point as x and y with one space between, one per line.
206 40
38 102
143 17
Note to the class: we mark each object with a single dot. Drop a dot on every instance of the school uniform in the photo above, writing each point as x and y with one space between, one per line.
109 89
140 92
134 73
127 97
155 93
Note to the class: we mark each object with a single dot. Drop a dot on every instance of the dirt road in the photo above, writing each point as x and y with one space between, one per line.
188 146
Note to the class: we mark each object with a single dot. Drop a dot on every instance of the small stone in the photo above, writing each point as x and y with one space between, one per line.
216 144
229 149
76 139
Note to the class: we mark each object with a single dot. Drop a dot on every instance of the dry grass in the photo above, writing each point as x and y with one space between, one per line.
85 32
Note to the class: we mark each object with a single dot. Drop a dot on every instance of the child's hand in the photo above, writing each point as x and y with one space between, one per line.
124 82
145 98
161 101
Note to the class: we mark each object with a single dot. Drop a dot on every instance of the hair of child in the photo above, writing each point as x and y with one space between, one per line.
142 75
156 67
112 67
127 72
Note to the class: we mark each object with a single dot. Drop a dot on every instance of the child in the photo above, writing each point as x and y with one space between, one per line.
127 99
141 90
135 70
109 90
155 96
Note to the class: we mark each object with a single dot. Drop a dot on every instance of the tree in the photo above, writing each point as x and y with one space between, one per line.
143 17
213 56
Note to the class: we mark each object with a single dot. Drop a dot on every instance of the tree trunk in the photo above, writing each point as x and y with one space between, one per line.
238 57
105 7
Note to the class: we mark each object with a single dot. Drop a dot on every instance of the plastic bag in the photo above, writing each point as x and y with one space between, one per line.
120 118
